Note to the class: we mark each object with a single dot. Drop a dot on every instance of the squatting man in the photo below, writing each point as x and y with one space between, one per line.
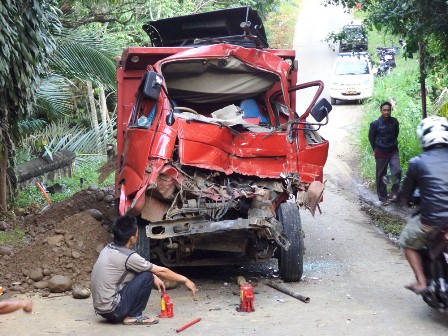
122 280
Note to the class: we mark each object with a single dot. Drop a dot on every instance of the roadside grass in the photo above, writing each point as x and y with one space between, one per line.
15 237
280 25
71 185
389 223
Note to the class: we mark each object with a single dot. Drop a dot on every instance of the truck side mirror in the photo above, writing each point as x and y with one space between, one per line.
152 84
321 110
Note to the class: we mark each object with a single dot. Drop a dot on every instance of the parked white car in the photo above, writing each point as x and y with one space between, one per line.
352 77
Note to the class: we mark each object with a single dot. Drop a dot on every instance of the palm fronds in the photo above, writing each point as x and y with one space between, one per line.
61 135
85 57
440 106
55 97
29 125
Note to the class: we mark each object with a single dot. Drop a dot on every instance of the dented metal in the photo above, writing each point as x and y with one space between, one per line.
207 162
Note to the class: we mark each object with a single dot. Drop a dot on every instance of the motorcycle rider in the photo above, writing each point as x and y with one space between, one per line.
427 172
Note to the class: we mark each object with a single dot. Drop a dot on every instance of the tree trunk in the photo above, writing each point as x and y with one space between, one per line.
103 105
4 178
93 116
421 52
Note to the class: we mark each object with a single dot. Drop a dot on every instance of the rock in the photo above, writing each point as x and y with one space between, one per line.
109 199
40 229
4 250
76 254
170 284
41 284
80 292
36 275
45 293
240 280
95 214
59 284
99 248
55 240
92 187
3 226
46 272
99 196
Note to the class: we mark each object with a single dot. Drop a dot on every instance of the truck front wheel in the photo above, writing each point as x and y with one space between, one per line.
291 261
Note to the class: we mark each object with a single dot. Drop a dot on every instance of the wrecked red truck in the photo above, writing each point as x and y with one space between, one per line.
213 156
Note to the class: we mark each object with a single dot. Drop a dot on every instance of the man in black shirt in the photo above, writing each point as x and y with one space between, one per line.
383 137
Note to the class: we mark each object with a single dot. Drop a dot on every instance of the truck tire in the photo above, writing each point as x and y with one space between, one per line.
291 261
142 245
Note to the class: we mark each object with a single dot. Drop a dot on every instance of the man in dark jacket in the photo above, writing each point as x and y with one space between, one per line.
383 137
428 173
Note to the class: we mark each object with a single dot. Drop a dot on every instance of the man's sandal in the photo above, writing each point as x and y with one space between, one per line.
141 320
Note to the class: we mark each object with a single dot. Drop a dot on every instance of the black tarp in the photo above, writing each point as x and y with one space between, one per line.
211 27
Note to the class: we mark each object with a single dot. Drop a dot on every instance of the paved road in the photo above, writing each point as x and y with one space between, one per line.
353 275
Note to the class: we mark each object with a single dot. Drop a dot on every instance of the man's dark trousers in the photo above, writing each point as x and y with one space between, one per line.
381 170
134 298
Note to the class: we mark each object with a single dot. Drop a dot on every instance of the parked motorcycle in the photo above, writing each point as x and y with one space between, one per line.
386 61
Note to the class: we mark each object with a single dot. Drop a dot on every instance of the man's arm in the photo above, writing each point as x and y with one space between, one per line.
372 134
166 273
12 306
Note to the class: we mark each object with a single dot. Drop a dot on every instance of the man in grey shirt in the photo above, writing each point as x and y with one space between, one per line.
121 280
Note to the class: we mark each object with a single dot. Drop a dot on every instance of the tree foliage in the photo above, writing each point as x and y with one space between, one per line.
26 37
423 25
413 20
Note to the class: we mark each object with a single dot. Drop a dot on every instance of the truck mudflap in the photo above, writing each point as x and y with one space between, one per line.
311 198
200 225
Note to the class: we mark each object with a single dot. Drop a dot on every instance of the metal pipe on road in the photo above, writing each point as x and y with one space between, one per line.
282 288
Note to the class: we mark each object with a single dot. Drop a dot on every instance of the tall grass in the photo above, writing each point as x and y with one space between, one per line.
402 86
281 23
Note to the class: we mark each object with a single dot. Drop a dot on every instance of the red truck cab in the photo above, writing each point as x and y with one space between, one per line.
213 156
